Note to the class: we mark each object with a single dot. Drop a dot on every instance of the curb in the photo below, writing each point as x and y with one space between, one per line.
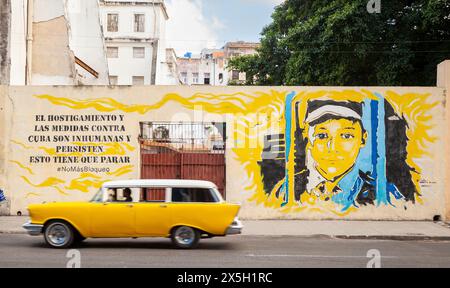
361 237
394 237
321 236
12 232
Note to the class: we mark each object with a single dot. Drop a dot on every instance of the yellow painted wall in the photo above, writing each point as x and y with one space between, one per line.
250 112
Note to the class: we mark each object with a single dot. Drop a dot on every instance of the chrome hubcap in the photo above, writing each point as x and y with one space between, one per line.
185 235
57 234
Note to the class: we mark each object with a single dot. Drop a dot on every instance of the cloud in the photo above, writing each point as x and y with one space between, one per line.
188 30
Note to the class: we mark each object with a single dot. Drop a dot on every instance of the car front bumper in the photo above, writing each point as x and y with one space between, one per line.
235 228
33 229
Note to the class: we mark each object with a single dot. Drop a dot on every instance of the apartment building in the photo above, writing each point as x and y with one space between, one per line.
210 67
135 42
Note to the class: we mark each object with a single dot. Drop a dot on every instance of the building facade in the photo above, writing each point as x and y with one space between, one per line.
55 42
205 69
210 67
135 40
235 49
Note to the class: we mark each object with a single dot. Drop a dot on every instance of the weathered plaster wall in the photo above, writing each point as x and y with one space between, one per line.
70 29
251 114
443 81
53 61
5 38
87 40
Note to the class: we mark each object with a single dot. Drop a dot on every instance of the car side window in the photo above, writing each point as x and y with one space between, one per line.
193 195
120 195
150 195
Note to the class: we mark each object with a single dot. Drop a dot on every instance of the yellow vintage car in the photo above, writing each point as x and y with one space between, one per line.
184 210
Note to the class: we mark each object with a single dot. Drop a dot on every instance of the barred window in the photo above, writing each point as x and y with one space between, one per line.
195 78
138 80
113 22
139 22
138 52
112 52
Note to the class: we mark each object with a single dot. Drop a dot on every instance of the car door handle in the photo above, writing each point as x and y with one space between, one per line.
130 206
163 206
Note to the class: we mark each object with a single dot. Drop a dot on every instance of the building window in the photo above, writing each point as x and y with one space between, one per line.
207 78
138 52
195 78
235 75
184 77
112 52
138 80
113 23
139 22
113 80
221 77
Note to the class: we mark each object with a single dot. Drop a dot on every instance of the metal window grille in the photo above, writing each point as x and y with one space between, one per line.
112 52
138 52
162 137
139 22
113 23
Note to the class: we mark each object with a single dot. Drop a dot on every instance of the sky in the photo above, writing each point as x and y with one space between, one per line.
197 24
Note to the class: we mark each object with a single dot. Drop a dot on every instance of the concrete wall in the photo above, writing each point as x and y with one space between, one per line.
375 155
443 81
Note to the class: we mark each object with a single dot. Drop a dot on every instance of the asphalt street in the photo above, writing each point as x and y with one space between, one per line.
19 250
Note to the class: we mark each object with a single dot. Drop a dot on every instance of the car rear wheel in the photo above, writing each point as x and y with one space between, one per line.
185 237
59 234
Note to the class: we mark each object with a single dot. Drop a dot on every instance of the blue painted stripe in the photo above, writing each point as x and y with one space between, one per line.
288 130
374 116
381 161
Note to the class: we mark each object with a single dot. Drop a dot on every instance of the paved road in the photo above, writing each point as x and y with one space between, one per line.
232 252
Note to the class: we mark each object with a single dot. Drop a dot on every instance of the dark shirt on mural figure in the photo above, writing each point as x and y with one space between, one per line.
2 196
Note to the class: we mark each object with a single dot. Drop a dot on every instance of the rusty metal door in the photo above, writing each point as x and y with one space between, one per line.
183 151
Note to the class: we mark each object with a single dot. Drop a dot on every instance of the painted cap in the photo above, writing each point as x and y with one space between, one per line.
321 109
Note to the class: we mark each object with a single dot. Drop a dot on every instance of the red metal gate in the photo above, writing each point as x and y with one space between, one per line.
194 151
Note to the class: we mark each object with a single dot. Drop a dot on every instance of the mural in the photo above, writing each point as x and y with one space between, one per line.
329 152
350 153
2 196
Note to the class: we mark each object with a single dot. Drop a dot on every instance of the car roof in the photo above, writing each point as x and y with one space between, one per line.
159 183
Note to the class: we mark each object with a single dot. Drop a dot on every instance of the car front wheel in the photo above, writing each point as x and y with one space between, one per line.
185 237
59 234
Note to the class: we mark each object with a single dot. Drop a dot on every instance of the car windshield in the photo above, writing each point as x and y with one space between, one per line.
98 196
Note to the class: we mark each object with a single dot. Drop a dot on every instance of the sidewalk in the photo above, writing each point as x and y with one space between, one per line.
398 230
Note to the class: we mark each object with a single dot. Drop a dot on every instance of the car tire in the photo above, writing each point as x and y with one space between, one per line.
185 237
59 234
78 238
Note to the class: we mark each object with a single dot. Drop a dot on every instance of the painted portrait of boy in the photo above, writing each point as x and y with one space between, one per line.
347 153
